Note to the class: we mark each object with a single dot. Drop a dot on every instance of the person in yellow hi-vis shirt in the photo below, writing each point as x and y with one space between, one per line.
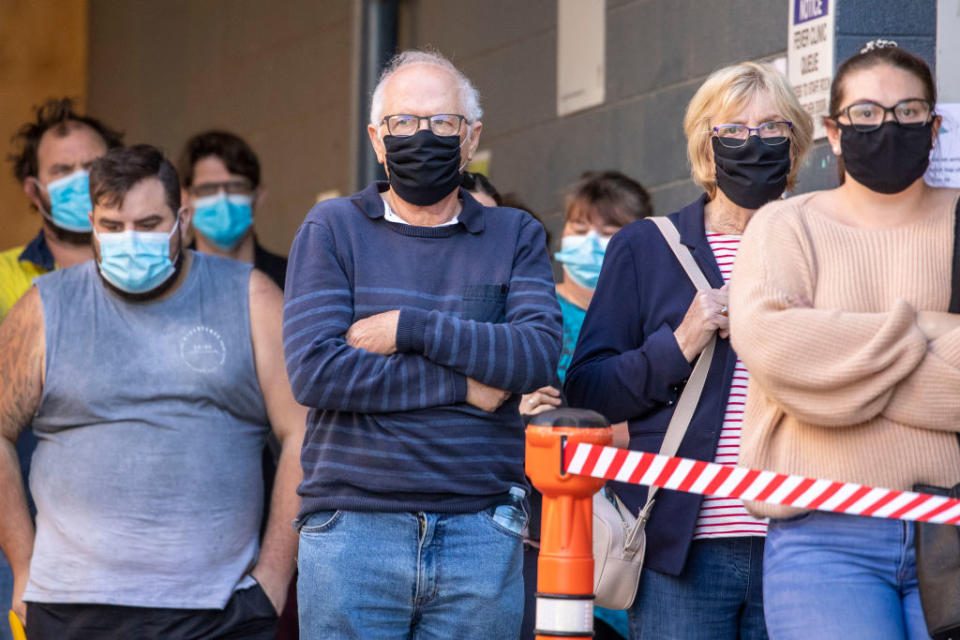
50 160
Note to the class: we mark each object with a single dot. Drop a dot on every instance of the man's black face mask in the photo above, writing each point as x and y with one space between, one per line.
423 168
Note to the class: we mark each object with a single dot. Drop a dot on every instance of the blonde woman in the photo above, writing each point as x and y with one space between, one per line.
746 137
839 309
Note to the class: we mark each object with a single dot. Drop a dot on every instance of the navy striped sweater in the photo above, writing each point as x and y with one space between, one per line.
476 299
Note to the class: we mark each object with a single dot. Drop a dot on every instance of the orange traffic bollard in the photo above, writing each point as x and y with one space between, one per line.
565 567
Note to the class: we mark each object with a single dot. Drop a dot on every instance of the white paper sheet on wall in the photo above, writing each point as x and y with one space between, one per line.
944 170
581 54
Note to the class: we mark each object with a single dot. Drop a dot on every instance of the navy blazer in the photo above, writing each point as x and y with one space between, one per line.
628 366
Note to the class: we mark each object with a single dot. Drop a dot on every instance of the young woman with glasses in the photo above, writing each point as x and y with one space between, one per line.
838 308
646 325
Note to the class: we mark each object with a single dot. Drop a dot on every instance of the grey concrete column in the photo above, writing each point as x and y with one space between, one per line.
378 44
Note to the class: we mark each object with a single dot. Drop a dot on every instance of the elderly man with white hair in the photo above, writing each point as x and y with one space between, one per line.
414 319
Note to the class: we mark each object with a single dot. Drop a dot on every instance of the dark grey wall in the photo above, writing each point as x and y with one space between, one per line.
282 75
912 24
658 53
276 73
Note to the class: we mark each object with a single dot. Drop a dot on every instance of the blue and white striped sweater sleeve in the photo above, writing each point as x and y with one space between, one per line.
518 355
325 372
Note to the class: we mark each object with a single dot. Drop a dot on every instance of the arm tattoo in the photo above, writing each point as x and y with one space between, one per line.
21 364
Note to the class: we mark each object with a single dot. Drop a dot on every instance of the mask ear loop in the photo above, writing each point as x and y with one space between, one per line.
176 227
467 137
48 215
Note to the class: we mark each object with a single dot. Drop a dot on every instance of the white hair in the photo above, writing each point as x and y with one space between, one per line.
469 97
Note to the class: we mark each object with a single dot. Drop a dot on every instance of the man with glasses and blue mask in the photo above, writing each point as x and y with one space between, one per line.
220 179
414 318
150 375
220 175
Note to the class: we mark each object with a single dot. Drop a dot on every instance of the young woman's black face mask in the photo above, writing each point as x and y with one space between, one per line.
888 159
754 174
423 168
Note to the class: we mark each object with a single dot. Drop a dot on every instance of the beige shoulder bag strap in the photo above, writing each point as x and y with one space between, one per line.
690 397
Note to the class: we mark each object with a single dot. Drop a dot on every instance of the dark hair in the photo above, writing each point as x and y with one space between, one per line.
480 182
56 114
236 154
873 53
615 198
113 175
881 52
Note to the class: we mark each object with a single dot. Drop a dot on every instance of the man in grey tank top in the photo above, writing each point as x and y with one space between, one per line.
149 376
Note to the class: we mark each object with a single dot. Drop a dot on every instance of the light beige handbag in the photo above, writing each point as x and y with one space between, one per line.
619 541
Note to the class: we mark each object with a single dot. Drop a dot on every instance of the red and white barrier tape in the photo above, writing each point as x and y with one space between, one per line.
709 478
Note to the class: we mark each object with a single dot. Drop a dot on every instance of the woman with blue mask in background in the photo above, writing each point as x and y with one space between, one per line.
596 206
746 137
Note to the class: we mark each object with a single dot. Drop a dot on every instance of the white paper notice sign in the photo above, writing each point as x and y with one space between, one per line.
810 56
944 170
581 54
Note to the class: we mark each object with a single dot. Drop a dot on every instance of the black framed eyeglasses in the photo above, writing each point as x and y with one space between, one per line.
868 115
230 187
442 124
736 135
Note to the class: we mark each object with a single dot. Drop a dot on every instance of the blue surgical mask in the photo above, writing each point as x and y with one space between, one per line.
582 257
70 204
223 219
136 261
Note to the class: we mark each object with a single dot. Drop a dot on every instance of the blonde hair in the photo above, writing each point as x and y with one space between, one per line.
731 89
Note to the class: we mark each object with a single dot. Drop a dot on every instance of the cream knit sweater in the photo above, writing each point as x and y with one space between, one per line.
850 389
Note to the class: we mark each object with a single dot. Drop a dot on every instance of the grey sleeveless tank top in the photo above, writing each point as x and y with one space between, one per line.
147 474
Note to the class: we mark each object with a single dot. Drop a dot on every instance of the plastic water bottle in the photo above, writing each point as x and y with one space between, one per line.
511 515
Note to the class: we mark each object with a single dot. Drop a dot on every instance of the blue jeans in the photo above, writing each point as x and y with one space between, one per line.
836 576
718 596
415 576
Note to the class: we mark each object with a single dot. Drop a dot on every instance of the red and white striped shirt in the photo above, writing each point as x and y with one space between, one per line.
726 517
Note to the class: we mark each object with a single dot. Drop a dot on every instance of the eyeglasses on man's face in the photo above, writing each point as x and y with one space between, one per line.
442 124
868 115
736 135
231 187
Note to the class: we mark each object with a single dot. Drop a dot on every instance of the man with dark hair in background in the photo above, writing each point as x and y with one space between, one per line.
220 175
149 375
50 161
53 155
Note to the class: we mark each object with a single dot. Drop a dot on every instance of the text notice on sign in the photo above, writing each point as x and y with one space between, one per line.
810 56
944 170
